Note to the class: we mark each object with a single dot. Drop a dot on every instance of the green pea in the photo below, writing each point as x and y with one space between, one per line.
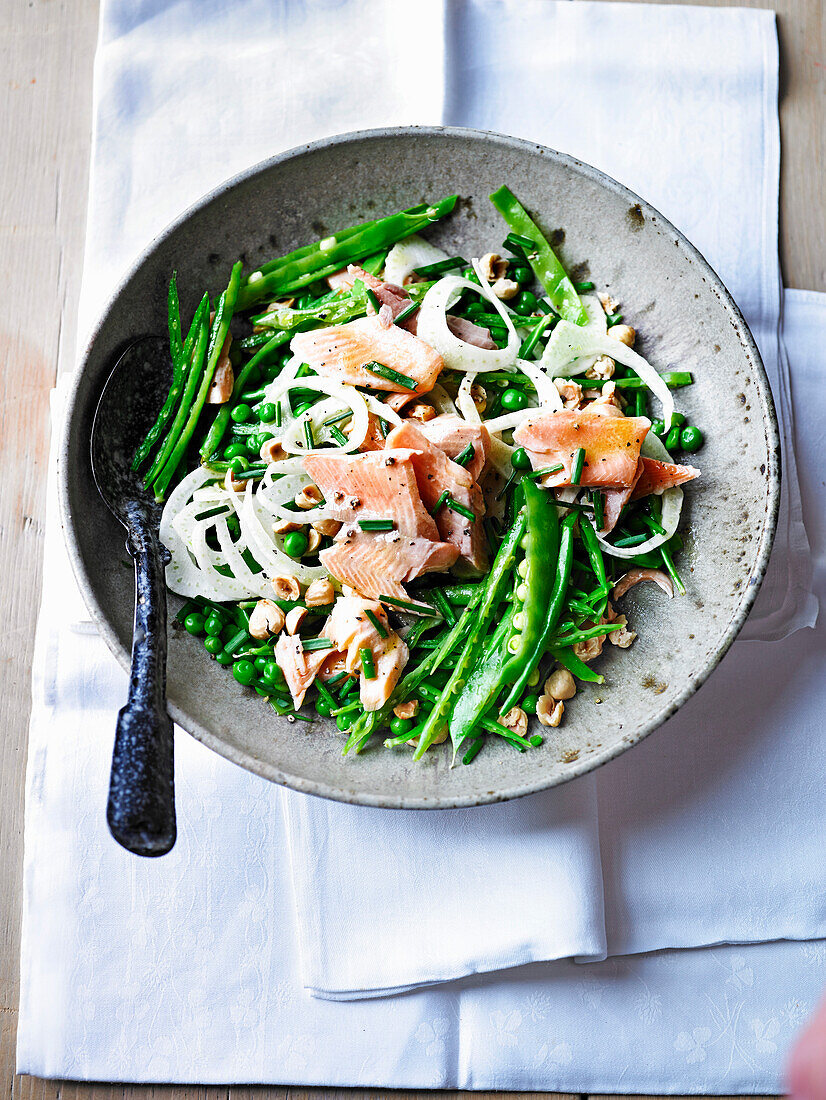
238 464
213 645
520 273
244 672
254 376
272 371
658 427
223 658
677 419
400 726
469 274
241 413
234 450
344 721
322 707
194 623
514 400
525 303
266 413
691 439
529 704
672 440
213 625
296 543
260 664
254 444
520 460
271 673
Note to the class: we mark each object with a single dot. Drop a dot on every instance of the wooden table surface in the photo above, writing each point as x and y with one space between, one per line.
46 54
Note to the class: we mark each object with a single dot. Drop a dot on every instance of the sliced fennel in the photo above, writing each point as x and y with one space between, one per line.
672 504
404 257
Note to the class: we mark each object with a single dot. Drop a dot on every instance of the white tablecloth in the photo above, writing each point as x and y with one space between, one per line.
185 969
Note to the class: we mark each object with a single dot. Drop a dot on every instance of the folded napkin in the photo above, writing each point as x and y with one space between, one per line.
185 969
202 983
660 884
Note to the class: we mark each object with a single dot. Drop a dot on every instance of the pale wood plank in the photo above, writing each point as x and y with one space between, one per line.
46 52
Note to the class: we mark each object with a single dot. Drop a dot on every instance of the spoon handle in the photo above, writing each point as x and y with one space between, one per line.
141 807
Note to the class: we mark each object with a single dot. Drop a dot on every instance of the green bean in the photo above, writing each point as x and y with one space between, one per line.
174 320
481 617
540 255
219 425
179 363
482 686
306 265
218 334
594 551
196 363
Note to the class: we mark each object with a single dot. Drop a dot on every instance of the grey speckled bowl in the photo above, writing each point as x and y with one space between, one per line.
685 318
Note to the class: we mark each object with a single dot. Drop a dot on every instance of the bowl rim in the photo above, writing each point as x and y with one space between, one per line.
578 768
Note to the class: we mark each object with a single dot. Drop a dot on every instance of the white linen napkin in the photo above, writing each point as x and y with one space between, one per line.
202 935
695 130
185 970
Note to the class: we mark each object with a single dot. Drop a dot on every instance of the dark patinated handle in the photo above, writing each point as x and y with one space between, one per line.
141 807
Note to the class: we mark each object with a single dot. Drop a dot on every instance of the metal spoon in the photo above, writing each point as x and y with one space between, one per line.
141 807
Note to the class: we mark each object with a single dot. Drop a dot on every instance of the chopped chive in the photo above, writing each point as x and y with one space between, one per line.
511 478
237 641
653 525
408 311
339 676
613 319
337 419
532 339
380 628
384 427
473 750
522 244
338 435
546 470
325 694
377 524
631 540
440 267
579 462
309 645
406 605
598 501
536 740
447 500
368 665
467 455
373 300
348 689
277 414
583 288
443 604
391 375
460 509
308 434
222 509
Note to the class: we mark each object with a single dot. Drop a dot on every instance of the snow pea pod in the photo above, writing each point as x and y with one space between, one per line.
533 596
563 573
542 258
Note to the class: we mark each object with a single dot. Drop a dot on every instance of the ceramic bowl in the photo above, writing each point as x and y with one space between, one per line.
685 319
